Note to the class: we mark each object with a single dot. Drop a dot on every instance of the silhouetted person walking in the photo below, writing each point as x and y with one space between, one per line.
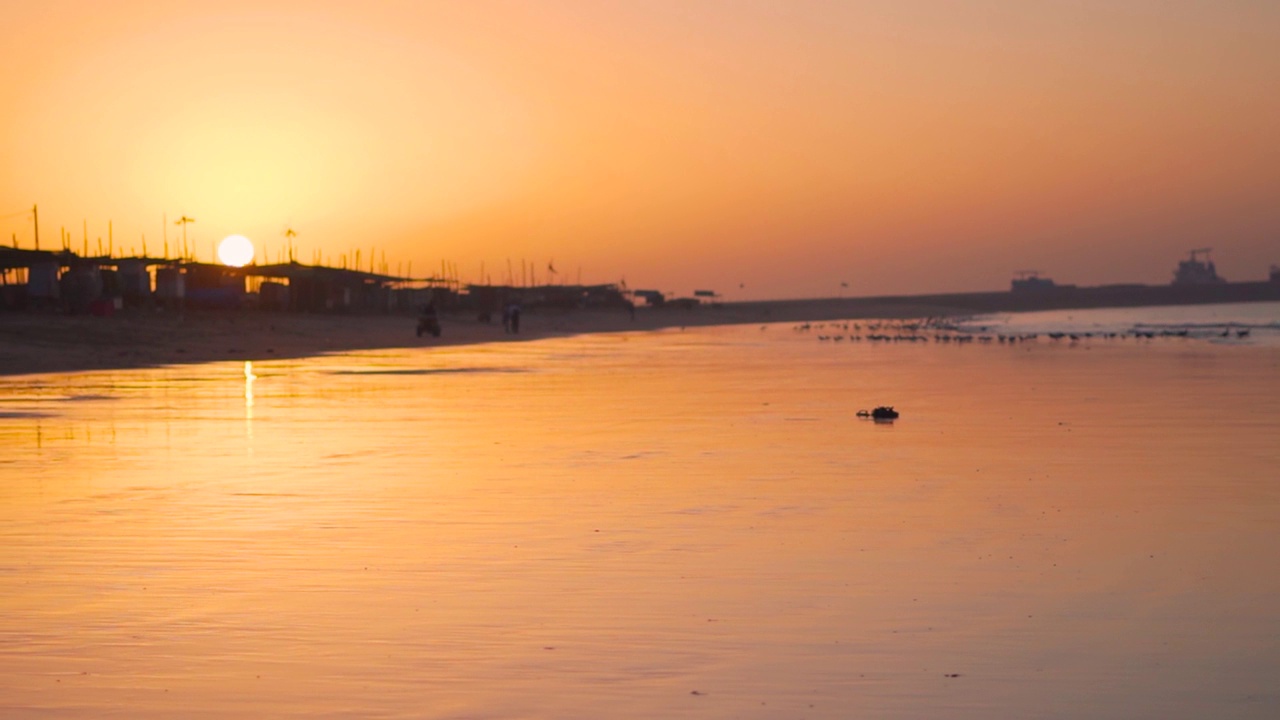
515 319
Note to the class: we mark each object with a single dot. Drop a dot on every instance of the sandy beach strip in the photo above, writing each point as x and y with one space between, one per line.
32 343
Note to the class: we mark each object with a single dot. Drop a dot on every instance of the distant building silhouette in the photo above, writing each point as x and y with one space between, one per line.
1194 271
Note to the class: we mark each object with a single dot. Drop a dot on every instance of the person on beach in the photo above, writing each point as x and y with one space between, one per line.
515 318
428 321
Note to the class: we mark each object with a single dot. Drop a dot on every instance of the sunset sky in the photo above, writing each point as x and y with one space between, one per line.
760 149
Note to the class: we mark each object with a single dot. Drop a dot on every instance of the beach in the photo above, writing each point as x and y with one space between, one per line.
648 524
51 342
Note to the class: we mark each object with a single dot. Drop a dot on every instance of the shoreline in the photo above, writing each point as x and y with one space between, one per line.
39 343
46 343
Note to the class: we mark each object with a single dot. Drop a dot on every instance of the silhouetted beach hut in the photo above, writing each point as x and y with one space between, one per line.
171 285
316 288
30 277
134 280
81 288
489 298
653 298
213 286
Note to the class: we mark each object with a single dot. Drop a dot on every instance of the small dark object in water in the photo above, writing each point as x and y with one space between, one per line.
884 412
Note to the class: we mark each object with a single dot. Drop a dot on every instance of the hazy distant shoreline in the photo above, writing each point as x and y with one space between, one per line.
49 343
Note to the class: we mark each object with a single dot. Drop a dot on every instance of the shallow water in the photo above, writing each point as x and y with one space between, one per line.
1255 323
671 524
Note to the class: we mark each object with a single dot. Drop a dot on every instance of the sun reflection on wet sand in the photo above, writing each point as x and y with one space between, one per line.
249 377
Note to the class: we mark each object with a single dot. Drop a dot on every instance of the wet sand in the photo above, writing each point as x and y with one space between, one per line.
46 343
648 525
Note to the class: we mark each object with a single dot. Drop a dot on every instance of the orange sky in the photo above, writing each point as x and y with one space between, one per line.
783 146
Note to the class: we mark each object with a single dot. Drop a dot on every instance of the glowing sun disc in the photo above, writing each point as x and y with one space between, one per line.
235 250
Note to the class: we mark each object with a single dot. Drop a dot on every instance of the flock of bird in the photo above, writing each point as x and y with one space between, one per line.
941 331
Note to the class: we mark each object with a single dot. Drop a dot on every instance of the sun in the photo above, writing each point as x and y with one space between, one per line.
235 250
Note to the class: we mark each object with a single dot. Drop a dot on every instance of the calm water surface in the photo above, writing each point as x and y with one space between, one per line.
674 524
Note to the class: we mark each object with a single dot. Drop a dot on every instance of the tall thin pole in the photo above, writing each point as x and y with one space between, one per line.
184 221
35 221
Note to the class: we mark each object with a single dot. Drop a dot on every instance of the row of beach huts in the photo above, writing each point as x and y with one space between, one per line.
64 281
